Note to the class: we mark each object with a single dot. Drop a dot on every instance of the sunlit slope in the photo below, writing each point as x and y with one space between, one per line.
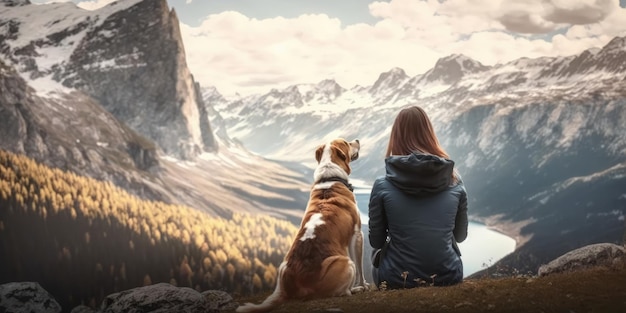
235 180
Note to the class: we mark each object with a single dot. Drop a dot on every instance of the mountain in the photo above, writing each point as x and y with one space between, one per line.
48 130
127 52
387 80
539 142
107 94
453 68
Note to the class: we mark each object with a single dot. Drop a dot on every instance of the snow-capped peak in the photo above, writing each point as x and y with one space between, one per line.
46 35
390 79
212 94
452 68
616 44
328 84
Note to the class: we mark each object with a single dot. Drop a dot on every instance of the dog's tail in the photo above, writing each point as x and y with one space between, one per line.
275 299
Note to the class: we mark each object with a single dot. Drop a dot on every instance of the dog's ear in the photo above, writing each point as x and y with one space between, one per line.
340 153
318 153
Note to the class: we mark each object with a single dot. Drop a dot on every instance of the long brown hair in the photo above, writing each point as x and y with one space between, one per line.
412 131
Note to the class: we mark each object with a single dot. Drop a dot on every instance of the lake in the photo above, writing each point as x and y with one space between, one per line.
482 248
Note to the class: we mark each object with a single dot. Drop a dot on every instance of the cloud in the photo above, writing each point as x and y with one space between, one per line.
236 53
579 12
544 16
523 22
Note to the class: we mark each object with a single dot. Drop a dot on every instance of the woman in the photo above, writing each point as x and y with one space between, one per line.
418 211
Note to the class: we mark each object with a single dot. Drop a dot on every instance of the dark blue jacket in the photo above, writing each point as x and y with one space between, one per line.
424 215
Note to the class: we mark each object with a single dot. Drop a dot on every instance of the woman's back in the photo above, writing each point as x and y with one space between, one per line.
418 206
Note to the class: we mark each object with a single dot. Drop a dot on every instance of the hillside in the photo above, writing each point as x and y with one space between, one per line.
599 289
82 239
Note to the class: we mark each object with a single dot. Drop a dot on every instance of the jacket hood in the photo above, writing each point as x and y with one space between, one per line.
419 174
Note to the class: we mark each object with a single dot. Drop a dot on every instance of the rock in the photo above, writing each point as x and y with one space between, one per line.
587 256
83 309
30 297
149 86
26 297
220 300
158 298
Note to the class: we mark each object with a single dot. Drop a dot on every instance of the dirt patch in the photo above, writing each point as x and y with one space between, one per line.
599 289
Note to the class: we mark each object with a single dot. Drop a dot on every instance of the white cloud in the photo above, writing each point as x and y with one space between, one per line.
239 54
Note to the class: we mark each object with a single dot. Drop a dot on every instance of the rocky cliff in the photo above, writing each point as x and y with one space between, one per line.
129 56
73 132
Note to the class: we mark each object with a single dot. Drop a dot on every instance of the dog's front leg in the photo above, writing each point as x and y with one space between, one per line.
356 254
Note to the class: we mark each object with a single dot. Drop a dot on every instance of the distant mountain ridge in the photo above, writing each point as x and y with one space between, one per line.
517 131
449 86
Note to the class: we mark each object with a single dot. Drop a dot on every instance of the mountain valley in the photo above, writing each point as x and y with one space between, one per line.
107 95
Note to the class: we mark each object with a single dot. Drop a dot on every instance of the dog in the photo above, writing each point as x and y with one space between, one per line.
326 257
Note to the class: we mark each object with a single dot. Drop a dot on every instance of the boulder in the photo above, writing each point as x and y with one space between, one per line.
158 298
587 256
83 309
26 297
30 297
219 300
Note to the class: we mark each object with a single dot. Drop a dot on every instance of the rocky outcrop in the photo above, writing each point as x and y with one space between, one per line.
208 139
587 256
129 56
164 298
26 297
134 64
74 133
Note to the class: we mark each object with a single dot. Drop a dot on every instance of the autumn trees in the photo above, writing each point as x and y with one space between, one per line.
83 239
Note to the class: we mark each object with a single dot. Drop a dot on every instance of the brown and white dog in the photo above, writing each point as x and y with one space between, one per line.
326 257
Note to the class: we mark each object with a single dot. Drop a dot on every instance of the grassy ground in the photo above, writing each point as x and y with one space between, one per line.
599 289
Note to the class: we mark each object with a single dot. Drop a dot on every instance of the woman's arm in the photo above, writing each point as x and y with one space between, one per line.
377 218
460 223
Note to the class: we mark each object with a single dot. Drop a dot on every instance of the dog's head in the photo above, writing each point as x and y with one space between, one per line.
338 152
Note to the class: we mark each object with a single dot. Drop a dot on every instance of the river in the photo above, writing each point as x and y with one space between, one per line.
482 248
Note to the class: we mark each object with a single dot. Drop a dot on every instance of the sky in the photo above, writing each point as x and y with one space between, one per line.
252 46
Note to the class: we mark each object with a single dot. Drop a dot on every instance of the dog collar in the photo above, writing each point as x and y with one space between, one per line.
338 179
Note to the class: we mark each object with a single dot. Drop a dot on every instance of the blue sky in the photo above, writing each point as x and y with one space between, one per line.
194 12
252 46
348 11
